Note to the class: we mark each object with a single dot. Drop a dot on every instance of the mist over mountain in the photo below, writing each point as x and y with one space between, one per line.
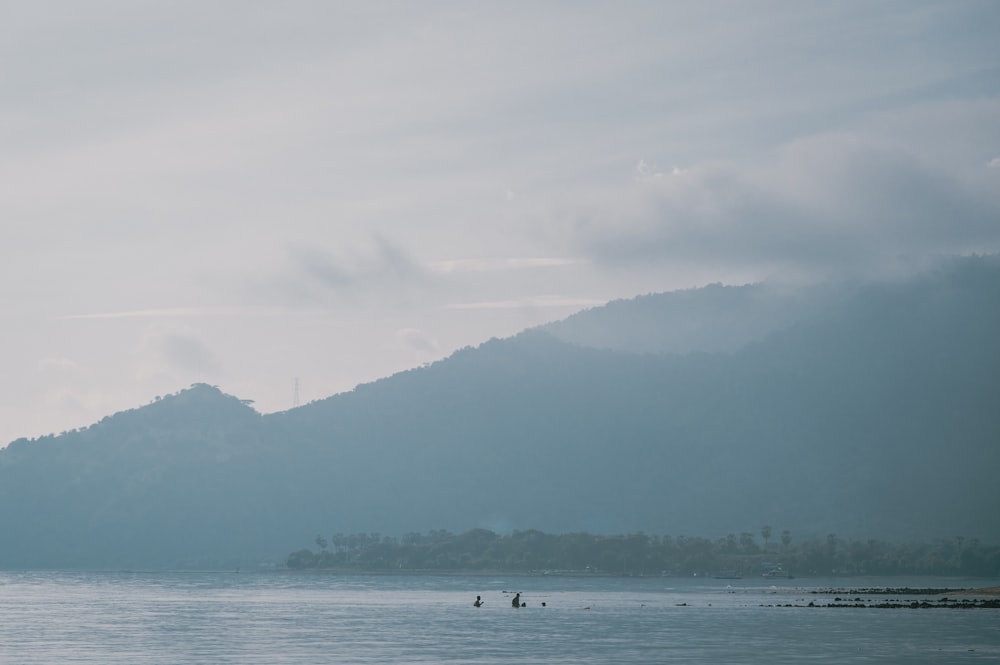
710 319
869 411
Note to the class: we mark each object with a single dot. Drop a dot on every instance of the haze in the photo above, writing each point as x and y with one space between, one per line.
246 193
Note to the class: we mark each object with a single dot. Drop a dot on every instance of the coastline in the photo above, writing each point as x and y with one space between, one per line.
990 592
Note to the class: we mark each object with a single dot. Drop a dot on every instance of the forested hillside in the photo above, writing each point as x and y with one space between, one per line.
744 555
869 412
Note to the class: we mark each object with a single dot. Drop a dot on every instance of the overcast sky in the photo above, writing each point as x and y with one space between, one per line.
246 192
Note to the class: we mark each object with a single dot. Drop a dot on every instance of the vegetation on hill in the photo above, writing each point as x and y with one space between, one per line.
876 413
640 554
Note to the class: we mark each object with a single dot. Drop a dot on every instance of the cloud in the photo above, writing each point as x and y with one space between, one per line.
316 274
62 366
343 172
174 354
530 302
826 203
644 171
172 313
417 340
186 352
322 268
498 264
72 400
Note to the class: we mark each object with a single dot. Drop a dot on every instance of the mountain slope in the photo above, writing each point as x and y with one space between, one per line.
876 417
710 319
869 412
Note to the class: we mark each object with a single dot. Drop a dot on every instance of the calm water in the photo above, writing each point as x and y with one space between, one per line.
141 618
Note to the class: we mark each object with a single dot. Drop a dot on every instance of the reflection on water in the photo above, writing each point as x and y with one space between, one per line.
144 618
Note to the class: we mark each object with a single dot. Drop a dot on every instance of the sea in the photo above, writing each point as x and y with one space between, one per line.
278 617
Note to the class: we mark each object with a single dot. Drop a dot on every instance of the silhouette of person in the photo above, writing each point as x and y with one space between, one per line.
478 603
517 600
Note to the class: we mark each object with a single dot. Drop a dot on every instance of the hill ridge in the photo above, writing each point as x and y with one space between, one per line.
877 413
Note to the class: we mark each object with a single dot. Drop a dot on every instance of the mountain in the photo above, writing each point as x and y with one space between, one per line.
714 318
870 411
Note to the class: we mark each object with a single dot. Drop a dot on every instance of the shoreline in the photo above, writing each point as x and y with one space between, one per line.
882 598
991 591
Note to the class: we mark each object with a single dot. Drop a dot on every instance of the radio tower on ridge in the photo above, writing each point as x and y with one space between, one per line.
295 398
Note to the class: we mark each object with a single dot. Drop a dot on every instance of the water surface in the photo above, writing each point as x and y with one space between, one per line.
277 617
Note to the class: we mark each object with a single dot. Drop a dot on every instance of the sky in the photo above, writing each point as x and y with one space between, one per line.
287 199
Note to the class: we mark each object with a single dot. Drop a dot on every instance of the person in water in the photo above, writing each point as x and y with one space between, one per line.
517 600
478 603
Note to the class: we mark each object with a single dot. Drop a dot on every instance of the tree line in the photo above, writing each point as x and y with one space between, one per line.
641 554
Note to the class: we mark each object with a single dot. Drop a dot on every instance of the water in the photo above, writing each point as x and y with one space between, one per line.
183 618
